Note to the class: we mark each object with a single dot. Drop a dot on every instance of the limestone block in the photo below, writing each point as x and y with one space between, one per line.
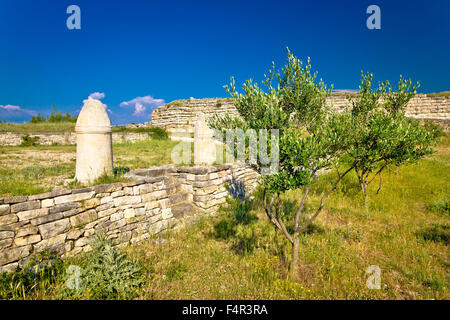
91 203
13 226
107 212
55 228
89 232
74 197
6 234
118 193
9 267
65 207
154 195
31 214
47 203
129 213
8 219
74 234
116 216
68 246
6 243
70 213
24 206
127 200
23 241
106 199
83 218
47 218
10 255
4 209
54 243
15 199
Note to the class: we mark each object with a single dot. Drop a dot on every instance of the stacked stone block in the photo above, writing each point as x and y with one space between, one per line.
151 202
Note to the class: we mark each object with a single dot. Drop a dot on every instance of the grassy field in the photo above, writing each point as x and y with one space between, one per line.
237 254
36 169
38 127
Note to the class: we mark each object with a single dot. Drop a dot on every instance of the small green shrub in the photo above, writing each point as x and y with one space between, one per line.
441 205
436 233
28 141
119 171
154 132
108 273
159 133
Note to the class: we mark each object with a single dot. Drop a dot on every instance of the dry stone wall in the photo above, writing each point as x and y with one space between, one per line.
63 138
182 114
152 201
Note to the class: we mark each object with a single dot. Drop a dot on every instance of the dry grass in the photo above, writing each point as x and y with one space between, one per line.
227 258
237 254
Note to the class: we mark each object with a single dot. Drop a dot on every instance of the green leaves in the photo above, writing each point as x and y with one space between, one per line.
293 101
380 134
108 272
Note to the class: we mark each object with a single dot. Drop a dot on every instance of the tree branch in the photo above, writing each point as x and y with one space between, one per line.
304 226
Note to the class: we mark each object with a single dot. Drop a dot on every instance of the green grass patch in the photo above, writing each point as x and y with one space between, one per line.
439 94
27 170
40 127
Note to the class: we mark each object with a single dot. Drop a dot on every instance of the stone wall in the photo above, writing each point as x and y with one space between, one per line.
152 201
63 138
182 114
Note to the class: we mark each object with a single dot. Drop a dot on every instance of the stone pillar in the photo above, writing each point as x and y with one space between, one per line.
94 142
204 146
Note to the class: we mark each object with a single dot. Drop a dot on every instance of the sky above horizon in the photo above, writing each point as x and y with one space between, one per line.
135 55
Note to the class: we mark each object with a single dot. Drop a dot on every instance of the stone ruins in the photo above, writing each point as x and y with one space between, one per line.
180 116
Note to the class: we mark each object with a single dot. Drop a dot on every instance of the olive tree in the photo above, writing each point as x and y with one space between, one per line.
311 137
381 135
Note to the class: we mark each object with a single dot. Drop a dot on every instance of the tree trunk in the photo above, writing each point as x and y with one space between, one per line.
295 249
363 186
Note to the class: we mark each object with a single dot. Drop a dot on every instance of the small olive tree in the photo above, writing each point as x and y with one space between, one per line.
311 137
381 135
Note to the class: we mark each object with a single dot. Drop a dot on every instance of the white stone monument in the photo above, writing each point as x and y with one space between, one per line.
204 146
94 142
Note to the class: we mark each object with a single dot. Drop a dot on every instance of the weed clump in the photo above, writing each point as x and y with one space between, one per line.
108 273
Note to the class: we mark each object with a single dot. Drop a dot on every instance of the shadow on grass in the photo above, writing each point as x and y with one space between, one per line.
435 233
236 225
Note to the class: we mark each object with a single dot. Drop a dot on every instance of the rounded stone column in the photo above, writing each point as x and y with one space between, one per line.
94 142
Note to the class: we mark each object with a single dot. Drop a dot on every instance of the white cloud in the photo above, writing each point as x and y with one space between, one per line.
138 109
141 104
9 107
12 112
97 95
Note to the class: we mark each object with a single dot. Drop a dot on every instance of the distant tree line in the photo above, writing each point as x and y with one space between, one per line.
55 116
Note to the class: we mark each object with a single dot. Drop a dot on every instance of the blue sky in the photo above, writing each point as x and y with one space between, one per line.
137 54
